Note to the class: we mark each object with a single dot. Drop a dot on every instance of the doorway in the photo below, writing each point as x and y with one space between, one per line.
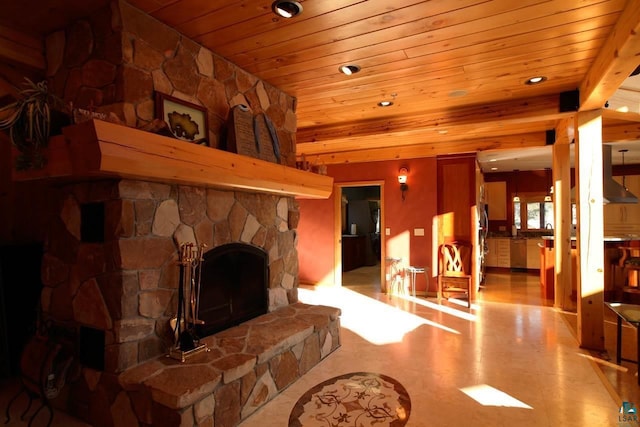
359 235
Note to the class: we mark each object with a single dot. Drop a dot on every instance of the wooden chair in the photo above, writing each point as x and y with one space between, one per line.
454 270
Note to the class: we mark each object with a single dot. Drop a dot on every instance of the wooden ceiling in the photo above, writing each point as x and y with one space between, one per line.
454 69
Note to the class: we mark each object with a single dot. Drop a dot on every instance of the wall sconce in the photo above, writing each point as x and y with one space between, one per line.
402 179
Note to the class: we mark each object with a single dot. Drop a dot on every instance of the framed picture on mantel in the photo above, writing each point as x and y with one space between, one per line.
186 121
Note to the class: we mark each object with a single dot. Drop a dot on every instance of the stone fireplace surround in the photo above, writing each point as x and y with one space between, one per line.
118 284
122 281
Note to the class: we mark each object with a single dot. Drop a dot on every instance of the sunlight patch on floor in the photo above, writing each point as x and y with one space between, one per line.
443 308
375 321
489 396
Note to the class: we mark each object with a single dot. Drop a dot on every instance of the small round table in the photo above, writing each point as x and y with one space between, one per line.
411 272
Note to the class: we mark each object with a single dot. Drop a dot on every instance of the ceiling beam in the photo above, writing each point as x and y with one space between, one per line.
615 62
426 150
21 48
484 116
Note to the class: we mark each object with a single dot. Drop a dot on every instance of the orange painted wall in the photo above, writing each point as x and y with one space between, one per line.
315 230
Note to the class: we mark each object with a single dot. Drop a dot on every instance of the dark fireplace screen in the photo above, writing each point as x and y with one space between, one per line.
233 287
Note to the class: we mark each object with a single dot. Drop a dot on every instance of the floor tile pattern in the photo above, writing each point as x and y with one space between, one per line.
360 399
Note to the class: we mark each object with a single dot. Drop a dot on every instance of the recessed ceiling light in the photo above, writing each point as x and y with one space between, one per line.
349 69
494 168
385 104
493 160
286 9
535 80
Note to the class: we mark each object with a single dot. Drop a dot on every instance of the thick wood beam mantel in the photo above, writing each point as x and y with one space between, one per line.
101 149
615 61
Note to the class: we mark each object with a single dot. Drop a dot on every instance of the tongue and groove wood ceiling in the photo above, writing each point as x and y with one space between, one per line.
455 70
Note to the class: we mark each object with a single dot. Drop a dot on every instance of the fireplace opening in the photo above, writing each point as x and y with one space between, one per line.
233 286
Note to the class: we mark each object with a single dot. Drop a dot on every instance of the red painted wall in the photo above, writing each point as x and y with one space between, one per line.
418 210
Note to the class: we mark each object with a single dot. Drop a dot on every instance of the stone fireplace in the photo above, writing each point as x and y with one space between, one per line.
111 274
110 267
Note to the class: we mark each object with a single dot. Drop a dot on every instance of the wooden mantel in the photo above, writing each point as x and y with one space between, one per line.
102 149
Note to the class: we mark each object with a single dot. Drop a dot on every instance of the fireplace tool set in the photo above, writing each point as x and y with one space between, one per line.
187 343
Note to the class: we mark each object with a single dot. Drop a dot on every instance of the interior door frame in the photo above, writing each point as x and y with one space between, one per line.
337 228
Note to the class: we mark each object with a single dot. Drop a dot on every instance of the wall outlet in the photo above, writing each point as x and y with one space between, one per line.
387 231
418 231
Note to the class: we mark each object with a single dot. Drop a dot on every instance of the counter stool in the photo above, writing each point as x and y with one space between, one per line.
411 272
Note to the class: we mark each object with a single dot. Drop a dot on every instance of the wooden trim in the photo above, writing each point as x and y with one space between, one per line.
102 149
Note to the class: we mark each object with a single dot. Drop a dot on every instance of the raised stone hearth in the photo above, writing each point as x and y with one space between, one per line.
246 366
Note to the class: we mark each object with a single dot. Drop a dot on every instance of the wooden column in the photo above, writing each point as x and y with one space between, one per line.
590 235
562 215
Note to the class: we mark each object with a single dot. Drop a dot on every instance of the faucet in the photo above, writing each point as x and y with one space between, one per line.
548 226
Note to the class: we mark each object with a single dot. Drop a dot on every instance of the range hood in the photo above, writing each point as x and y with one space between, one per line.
612 191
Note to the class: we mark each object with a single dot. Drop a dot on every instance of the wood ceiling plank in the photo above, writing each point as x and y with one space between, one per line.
472 44
616 61
305 72
317 16
150 6
353 25
423 32
348 37
397 72
176 13
434 95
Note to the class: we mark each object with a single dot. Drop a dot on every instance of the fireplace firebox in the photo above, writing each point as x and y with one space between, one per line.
233 286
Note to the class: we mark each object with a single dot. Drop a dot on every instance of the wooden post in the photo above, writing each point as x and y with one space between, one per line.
562 215
590 235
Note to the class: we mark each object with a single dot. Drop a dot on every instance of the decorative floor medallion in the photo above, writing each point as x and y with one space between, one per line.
359 399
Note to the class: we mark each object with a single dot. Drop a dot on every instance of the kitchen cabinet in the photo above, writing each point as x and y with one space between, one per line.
623 218
533 253
495 194
499 252
353 252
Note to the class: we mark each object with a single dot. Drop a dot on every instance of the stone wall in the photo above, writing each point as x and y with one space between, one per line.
114 61
127 285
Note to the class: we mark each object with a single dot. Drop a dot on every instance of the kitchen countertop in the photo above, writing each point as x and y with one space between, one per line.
624 238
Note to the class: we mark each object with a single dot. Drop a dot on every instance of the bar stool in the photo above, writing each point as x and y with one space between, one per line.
411 272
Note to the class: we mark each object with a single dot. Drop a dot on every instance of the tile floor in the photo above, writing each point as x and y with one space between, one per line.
509 360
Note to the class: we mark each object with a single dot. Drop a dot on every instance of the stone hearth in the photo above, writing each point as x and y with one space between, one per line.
246 366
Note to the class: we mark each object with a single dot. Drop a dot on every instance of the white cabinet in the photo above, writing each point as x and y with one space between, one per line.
499 252
495 194
533 253
623 218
